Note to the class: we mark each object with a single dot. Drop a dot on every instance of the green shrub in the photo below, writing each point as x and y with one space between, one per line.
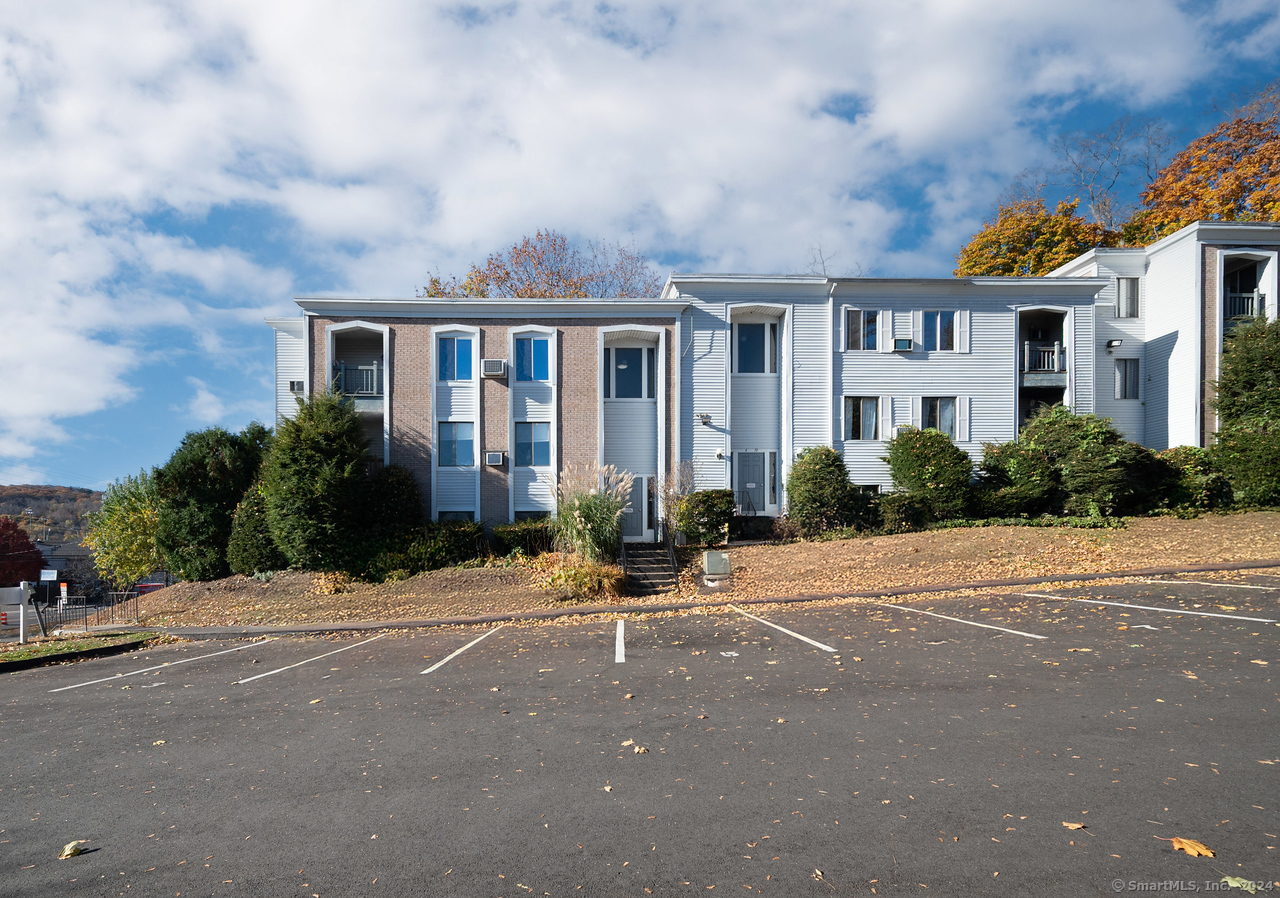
429 547
1249 456
533 537
315 485
197 491
934 471
589 512
819 494
1198 485
251 549
903 513
703 516
1069 464
394 502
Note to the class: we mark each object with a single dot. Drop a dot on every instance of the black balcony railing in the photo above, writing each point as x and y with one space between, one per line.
358 380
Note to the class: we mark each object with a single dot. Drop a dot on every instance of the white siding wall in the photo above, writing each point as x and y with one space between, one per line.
811 409
456 489
757 417
291 364
702 381
631 435
1128 415
532 493
983 379
1171 295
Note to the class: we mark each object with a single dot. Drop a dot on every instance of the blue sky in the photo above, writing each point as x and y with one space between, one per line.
177 172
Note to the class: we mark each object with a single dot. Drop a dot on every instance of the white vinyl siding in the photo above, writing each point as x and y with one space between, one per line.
757 420
812 400
704 383
291 365
631 435
455 489
532 492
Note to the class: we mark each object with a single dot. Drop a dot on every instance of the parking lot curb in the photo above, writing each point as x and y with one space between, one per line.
63 657
585 610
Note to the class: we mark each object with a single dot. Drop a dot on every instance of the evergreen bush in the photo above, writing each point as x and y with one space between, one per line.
819 494
197 491
1247 449
530 538
1069 464
315 485
934 471
702 516
429 547
251 550
1249 456
903 513
1198 485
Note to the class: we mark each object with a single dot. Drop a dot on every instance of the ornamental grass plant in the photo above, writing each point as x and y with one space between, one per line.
591 502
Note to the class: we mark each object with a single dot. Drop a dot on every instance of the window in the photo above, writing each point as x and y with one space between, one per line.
940 414
756 348
1126 297
455 358
940 331
861 418
532 359
533 444
1126 378
861 329
457 444
630 372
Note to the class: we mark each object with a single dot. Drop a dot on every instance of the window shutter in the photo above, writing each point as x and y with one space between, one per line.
916 416
962 419
884 333
962 330
886 417
917 329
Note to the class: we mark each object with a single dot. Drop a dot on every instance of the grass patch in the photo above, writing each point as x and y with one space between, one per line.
68 645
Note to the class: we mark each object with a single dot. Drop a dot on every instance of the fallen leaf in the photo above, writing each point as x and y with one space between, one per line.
640 750
71 849
158 742
1190 846
629 742
1255 661
782 720
608 788
315 701
1072 825
629 695
1239 882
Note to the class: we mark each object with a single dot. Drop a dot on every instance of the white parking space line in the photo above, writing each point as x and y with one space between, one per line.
1260 620
619 647
448 658
168 664
962 621
1215 583
813 642
307 661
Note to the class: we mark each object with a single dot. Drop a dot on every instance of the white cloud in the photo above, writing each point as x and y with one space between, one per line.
396 138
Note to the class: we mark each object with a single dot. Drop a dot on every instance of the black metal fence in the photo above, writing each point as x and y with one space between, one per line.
74 612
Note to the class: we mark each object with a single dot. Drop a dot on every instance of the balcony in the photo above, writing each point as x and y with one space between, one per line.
359 381
1043 364
1240 307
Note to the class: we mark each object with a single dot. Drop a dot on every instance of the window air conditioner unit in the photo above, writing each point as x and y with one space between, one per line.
902 344
493 459
493 367
296 386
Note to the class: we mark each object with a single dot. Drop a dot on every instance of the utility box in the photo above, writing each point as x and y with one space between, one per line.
715 564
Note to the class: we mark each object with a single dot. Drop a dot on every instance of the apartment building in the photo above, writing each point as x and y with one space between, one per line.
488 401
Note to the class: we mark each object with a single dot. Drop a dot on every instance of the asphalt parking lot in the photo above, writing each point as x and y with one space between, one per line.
935 747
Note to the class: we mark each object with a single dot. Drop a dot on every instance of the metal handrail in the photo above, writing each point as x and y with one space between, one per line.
358 380
670 543
622 546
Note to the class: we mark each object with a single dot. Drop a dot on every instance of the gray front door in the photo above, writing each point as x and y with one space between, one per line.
633 516
751 482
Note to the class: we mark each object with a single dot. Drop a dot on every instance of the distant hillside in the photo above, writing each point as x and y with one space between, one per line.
58 509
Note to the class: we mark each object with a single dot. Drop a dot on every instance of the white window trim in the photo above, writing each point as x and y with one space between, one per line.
472 386
777 348
1115 314
330 332
1119 382
551 473
783 314
643 335
844 418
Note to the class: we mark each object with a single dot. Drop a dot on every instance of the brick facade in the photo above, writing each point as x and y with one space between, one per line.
408 382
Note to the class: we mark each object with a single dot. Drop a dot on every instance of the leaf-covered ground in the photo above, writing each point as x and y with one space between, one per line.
936 557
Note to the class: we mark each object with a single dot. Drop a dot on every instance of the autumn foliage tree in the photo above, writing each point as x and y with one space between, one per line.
122 534
19 558
1026 240
1230 174
548 265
